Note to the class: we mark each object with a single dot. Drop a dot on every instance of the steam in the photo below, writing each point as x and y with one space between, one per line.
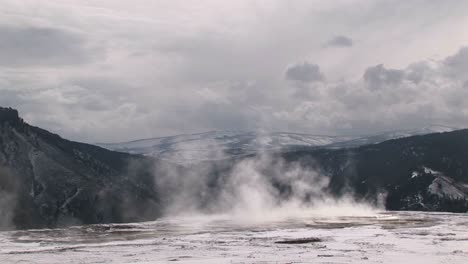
8 195
258 188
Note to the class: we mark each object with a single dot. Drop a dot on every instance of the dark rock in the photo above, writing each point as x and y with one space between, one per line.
9 115
300 241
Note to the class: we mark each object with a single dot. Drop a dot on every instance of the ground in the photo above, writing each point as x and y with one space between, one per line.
382 237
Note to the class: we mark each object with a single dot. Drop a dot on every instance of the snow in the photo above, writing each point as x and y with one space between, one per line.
214 145
431 171
445 186
385 237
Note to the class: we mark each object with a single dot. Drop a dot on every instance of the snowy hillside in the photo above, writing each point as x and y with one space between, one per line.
217 144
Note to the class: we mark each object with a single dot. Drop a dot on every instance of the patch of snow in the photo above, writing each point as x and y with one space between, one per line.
445 186
430 171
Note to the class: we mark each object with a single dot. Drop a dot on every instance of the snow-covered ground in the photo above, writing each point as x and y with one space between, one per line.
385 237
216 144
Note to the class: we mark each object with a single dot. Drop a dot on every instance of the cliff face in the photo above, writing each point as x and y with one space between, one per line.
49 181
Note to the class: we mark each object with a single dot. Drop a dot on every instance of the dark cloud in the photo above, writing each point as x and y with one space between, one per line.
457 64
35 46
305 72
340 41
416 72
459 59
377 77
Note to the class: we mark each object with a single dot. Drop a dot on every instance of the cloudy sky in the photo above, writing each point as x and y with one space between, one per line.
116 70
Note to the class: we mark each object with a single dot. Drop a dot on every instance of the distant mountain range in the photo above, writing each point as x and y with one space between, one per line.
189 148
48 181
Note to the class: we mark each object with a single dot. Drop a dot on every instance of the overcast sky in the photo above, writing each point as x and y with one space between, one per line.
110 70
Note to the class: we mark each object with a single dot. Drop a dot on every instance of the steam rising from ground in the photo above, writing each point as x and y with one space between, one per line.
254 189
8 195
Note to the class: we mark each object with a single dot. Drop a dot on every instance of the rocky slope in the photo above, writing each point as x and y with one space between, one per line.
427 172
48 181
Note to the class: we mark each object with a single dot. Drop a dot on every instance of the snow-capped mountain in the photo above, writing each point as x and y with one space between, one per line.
217 144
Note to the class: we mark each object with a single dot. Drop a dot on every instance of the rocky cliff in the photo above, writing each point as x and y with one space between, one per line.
46 180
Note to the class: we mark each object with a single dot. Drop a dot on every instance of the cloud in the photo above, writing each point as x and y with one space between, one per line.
340 41
304 72
459 59
113 70
377 77
457 64
422 93
24 46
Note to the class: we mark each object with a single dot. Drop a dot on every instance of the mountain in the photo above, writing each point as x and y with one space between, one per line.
47 181
426 172
417 169
189 148
389 135
216 144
